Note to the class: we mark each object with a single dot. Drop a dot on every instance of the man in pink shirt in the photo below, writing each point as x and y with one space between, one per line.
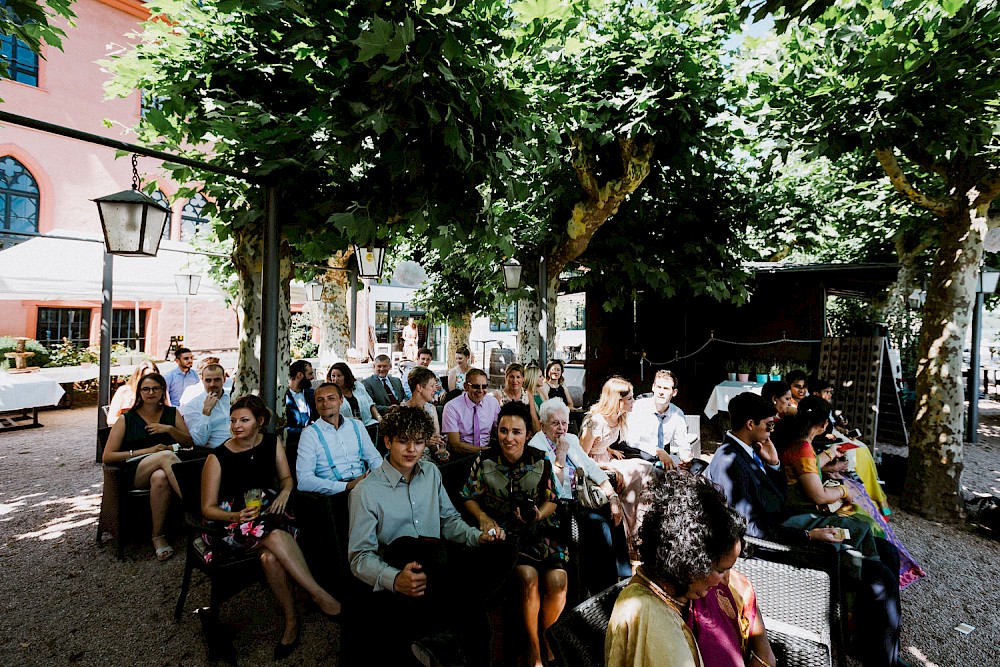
468 419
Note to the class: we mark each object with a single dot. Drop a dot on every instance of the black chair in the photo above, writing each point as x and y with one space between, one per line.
795 604
577 638
324 525
124 509
229 573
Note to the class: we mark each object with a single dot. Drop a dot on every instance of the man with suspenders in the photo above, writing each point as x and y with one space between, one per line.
335 452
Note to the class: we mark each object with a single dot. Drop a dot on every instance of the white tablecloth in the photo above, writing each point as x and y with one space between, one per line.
66 374
724 392
19 391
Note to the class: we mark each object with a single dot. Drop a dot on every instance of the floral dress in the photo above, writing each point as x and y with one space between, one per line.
242 471
491 483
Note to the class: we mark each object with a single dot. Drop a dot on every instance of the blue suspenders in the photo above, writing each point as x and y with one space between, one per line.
326 447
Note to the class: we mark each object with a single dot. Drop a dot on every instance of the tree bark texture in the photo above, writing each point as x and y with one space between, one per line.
334 318
248 260
933 479
459 332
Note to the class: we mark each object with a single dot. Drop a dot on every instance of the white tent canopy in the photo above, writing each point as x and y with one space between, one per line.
46 269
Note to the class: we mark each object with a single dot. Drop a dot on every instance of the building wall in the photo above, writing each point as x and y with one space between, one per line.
71 173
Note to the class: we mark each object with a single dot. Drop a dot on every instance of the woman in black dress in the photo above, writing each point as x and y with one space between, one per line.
141 443
556 383
249 464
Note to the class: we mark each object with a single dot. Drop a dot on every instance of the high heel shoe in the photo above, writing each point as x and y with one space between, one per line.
282 651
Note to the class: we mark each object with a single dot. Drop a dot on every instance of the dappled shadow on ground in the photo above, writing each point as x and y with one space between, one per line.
48 517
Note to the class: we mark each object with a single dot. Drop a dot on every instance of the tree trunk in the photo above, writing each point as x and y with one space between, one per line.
933 478
527 330
248 260
903 322
335 336
459 331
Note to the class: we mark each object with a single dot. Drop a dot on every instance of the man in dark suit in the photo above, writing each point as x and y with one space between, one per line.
300 403
385 390
747 469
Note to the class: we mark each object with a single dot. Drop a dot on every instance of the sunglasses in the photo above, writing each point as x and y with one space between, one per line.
477 386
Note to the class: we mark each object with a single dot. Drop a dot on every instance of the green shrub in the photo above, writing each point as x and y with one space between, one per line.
8 344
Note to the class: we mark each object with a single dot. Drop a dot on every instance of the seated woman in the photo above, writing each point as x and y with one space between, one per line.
357 403
513 390
424 384
859 459
607 556
124 397
456 375
534 384
555 386
807 491
689 539
512 491
141 442
246 483
605 424
780 395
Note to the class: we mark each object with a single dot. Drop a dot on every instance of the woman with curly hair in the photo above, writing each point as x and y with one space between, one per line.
689 541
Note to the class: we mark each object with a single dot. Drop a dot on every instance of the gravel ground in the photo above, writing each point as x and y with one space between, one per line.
67 600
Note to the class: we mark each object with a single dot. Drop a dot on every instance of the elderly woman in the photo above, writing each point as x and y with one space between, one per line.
140 442
246 484
605 424
512 490
607 556
689 541
124 397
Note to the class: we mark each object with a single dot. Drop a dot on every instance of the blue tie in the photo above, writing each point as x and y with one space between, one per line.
757 460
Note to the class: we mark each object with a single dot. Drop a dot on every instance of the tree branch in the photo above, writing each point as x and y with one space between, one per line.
922 158
899 181
583 164
988 187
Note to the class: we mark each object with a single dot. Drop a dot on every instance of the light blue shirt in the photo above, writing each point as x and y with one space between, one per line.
312 467
210 431
177 382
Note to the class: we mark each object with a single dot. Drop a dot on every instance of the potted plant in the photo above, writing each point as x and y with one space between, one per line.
777 370
760 371
731 366
743 370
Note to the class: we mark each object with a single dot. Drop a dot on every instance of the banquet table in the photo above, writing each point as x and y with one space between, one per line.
724 392
23 392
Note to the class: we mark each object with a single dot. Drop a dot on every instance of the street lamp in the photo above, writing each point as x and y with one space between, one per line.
370 260
512 274
133 225
986 283
314 292
187 284
916 299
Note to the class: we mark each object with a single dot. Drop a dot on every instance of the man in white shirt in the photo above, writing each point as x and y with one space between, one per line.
207 414
657 426
335 452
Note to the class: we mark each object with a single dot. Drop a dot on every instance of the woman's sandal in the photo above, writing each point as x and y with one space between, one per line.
165 552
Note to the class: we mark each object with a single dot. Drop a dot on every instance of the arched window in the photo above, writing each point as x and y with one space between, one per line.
162 200
18 200
191 217
22 62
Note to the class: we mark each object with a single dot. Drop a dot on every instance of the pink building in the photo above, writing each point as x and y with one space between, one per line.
50 288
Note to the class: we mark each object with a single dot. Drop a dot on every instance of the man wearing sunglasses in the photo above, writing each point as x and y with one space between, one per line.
469 419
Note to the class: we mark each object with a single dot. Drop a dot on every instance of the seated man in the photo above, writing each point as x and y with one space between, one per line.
197 389
335 452
747 469
405 545
468 420
300 401
657 426
384 389
207 414
424 356
181 376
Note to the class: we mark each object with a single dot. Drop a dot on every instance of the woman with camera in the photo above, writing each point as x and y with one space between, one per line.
513 491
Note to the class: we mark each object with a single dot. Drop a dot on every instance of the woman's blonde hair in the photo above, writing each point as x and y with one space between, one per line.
141 371
609 405
531 374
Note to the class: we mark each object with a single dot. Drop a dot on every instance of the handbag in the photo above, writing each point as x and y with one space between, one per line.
588 493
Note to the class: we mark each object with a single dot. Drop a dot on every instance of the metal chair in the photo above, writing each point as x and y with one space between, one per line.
795 604
577 639
123 508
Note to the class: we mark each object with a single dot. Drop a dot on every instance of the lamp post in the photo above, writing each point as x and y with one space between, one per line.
370 260
133 226
187 284
986 283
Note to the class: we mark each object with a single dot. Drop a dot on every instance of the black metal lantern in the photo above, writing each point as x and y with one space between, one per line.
370 259
132 222
512 274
